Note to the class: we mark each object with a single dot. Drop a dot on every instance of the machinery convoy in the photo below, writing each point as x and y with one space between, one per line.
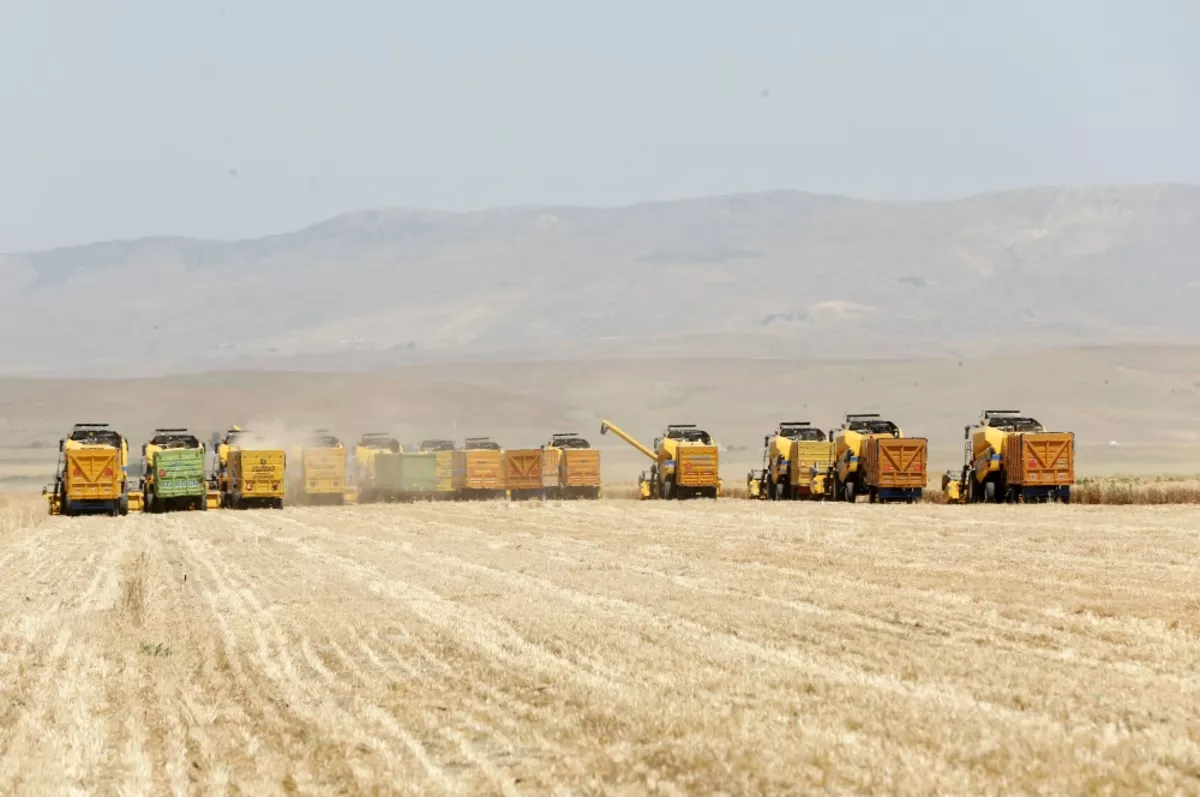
1008 457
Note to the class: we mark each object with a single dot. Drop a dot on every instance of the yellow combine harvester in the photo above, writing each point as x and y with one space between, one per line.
248 473
365 451
1009 457
173 472
873 457
321 477
570 467
685 463
796 460
93 473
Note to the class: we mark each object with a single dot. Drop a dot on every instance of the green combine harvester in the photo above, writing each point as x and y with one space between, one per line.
174 472
405 477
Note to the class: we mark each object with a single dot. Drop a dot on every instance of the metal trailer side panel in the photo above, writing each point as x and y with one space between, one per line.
178 473
696 466
444 472
93 474
477 469
418 473
258 473
551 460
323 471
803 457
521 469
1041 459
580 468
896 463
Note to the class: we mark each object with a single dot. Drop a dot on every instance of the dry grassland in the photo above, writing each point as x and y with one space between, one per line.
610 647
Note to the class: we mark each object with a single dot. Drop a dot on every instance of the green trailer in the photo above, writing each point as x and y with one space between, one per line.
405 477
175 480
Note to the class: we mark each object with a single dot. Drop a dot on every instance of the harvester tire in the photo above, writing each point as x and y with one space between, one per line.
848 490
668 490
780 492
123 505
872 496
989 492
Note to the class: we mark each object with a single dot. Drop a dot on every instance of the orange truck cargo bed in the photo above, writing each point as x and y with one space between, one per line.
522 469
580 468
696 466
896 463
477 469
93 474
1041 459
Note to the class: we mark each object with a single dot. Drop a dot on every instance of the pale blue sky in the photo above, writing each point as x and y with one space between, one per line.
128 118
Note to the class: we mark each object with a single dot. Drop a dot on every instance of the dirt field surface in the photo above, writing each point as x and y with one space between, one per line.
611 647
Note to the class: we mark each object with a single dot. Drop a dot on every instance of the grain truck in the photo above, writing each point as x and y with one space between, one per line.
796 461
1008 456
684 462
173 472
92 476
248 472
873 457
477 469
320 478
444 453
570 467
369 446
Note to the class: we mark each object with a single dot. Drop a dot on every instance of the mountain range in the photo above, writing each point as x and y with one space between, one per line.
779 274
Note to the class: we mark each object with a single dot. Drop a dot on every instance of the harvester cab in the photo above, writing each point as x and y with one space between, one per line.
92 473
436 445
480 444
380 441
567 440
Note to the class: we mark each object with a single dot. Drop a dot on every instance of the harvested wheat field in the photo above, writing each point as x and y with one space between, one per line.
610 647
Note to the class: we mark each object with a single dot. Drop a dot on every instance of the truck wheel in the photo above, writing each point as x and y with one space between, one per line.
872 496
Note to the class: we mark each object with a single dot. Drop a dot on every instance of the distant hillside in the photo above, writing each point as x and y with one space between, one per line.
771 274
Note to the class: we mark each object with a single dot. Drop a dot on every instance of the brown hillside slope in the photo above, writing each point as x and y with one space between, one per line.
779 274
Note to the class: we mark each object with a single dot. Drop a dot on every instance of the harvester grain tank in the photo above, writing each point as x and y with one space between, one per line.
685 462
173 472
248 472
406 475
369 446
444 457
521 473
1008 456
92 475
796 460
477 473
570 467
320 478
873 457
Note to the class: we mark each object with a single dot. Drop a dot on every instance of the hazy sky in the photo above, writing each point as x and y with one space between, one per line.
229 119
